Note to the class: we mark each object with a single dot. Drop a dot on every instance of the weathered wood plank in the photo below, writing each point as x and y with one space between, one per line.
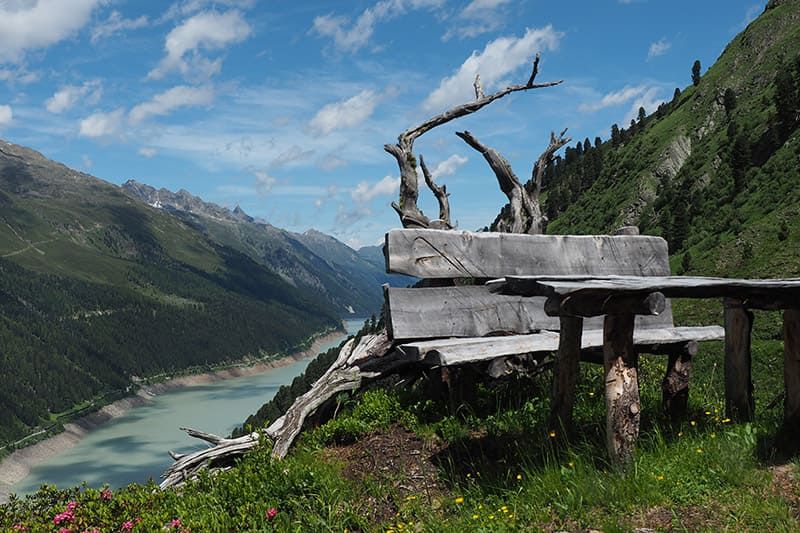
448 352
739 402
565 374
623 408
426 253
472 311
756 293
791 371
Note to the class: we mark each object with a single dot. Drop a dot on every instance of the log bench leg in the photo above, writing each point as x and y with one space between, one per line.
565 374
791 372
622 388
675 386
739 402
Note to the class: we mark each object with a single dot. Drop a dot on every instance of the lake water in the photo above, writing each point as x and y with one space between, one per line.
133 447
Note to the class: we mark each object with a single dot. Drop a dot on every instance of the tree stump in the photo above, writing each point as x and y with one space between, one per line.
623 407
739 402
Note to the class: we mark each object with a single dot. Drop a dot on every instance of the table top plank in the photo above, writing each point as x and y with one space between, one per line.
760 291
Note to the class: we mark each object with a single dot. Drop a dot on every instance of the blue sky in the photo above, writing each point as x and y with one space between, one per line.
284 107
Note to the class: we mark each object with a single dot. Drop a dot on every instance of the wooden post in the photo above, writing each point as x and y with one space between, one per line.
565 374
622 388
675 386
739 402
791 371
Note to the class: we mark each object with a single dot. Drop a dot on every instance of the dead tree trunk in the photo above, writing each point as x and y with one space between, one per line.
526 212
370 359
403 151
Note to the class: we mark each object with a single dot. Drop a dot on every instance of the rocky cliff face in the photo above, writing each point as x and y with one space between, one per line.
183 200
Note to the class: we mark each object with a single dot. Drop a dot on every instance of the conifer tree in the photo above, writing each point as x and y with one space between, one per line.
696 73
615 135
642 115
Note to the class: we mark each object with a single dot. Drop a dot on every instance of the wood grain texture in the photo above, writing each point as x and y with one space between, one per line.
565 374
791 369
472 311
427 253
739 402
470 350
675 385
623 406
754 293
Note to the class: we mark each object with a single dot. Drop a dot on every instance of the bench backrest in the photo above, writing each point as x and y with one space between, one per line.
472 311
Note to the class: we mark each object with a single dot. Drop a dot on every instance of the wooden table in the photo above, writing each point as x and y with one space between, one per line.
620 298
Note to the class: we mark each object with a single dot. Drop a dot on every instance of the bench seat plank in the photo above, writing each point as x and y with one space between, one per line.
448 352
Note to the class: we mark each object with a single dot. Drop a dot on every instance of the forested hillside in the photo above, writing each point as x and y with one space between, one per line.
715 170
312 260
97 287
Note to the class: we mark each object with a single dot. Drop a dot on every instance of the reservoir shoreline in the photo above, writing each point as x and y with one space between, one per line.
16 467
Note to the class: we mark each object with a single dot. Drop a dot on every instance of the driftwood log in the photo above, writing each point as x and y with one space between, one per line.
368 359
403 151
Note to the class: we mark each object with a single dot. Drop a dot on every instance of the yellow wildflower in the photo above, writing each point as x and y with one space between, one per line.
460 499
519 477
552 434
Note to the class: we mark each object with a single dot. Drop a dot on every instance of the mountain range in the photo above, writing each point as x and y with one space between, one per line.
100 284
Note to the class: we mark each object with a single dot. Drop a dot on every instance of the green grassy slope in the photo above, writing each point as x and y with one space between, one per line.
721 185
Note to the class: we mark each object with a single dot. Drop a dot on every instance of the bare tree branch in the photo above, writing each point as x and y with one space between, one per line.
478 87
441 195
556 143
403 150
522 210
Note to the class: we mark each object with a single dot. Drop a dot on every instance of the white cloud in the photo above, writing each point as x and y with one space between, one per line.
69 95
205 31
614 98
365 192
148 152
480 16
164 103
18 75
658 48
115 23
649 99
6 115
449 166
264 183
188 7
100 124
498 59
358 35
480 7
344 114
36 24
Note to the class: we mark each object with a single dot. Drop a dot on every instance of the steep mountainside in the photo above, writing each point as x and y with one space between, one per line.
96 287
311 260
716 171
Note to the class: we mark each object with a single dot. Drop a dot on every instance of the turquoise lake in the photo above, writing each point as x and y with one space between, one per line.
133 447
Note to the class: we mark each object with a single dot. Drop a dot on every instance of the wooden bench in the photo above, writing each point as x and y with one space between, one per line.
465 323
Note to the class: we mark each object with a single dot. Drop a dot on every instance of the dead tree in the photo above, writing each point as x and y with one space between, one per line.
526 212
369 359
403 151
